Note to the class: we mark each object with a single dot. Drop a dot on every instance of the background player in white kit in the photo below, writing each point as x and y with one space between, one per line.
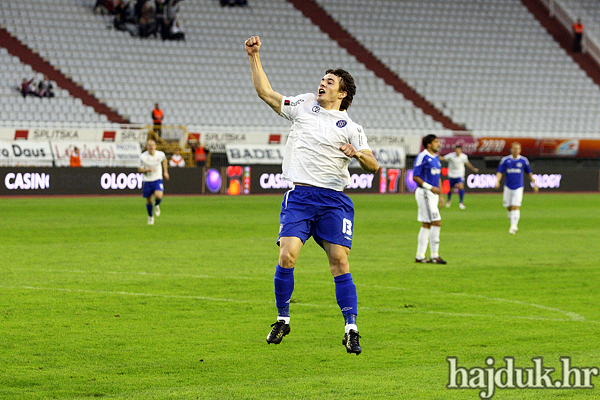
456 173
427 174
322 142
153 164
514 167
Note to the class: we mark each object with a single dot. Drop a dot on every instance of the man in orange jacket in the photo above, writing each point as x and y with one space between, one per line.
157 117
578 35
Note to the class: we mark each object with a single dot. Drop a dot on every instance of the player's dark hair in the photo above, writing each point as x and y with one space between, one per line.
458 146
346 85
428 139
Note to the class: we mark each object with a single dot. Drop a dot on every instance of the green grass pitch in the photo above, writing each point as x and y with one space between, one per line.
94 303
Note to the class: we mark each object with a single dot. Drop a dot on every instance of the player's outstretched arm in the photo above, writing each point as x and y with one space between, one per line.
471 167
259 78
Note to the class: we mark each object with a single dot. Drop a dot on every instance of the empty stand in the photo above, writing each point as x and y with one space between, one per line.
59 109
206 79
488 64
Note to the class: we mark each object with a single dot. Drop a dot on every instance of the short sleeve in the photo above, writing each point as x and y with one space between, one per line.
502 166
290 106
358 139
526 167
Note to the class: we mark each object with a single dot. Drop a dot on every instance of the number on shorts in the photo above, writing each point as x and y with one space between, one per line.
347 227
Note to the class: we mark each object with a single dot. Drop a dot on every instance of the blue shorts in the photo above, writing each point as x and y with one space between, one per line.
324 214
148 188
455 181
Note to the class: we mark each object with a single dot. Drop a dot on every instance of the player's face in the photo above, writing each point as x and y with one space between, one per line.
151 146
458 151
515 150
435 145
329 89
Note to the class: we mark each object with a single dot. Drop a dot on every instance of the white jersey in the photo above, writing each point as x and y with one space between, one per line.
312 153
456 164
154 162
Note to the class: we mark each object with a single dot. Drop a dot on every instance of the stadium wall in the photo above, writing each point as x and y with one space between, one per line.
257 179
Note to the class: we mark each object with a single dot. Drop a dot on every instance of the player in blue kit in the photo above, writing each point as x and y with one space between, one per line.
426 173
322 142
514 167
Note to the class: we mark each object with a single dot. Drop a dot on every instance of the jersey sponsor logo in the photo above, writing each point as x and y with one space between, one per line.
341 123
513 171
292 103
435 171
316 109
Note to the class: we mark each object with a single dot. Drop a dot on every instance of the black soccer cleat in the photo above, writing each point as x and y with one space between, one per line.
437 260
422 260
280 329
350 340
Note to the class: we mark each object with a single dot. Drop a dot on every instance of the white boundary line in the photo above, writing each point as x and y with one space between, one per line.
404 310
573 316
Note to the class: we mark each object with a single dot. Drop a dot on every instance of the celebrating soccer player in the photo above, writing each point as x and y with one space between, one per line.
152 164
514 167
322 142
426 174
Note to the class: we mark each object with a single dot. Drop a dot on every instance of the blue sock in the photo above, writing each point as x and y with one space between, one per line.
149 208
345 293
450 195
461 193
284 286
157 202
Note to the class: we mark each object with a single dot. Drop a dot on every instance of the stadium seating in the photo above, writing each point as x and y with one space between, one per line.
61 108
487 64
205 80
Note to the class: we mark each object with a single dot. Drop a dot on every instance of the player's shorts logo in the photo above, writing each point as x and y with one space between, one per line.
341 123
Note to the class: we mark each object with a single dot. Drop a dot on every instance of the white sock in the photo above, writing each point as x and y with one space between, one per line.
514 219
423 242
509 215
351 326
284 319
434 240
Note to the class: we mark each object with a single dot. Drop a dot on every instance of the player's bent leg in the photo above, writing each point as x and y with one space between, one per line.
289 250
158 196
149 210
284 287
345 293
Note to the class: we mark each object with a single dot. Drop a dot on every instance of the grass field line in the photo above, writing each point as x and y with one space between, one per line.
573 316
402 310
